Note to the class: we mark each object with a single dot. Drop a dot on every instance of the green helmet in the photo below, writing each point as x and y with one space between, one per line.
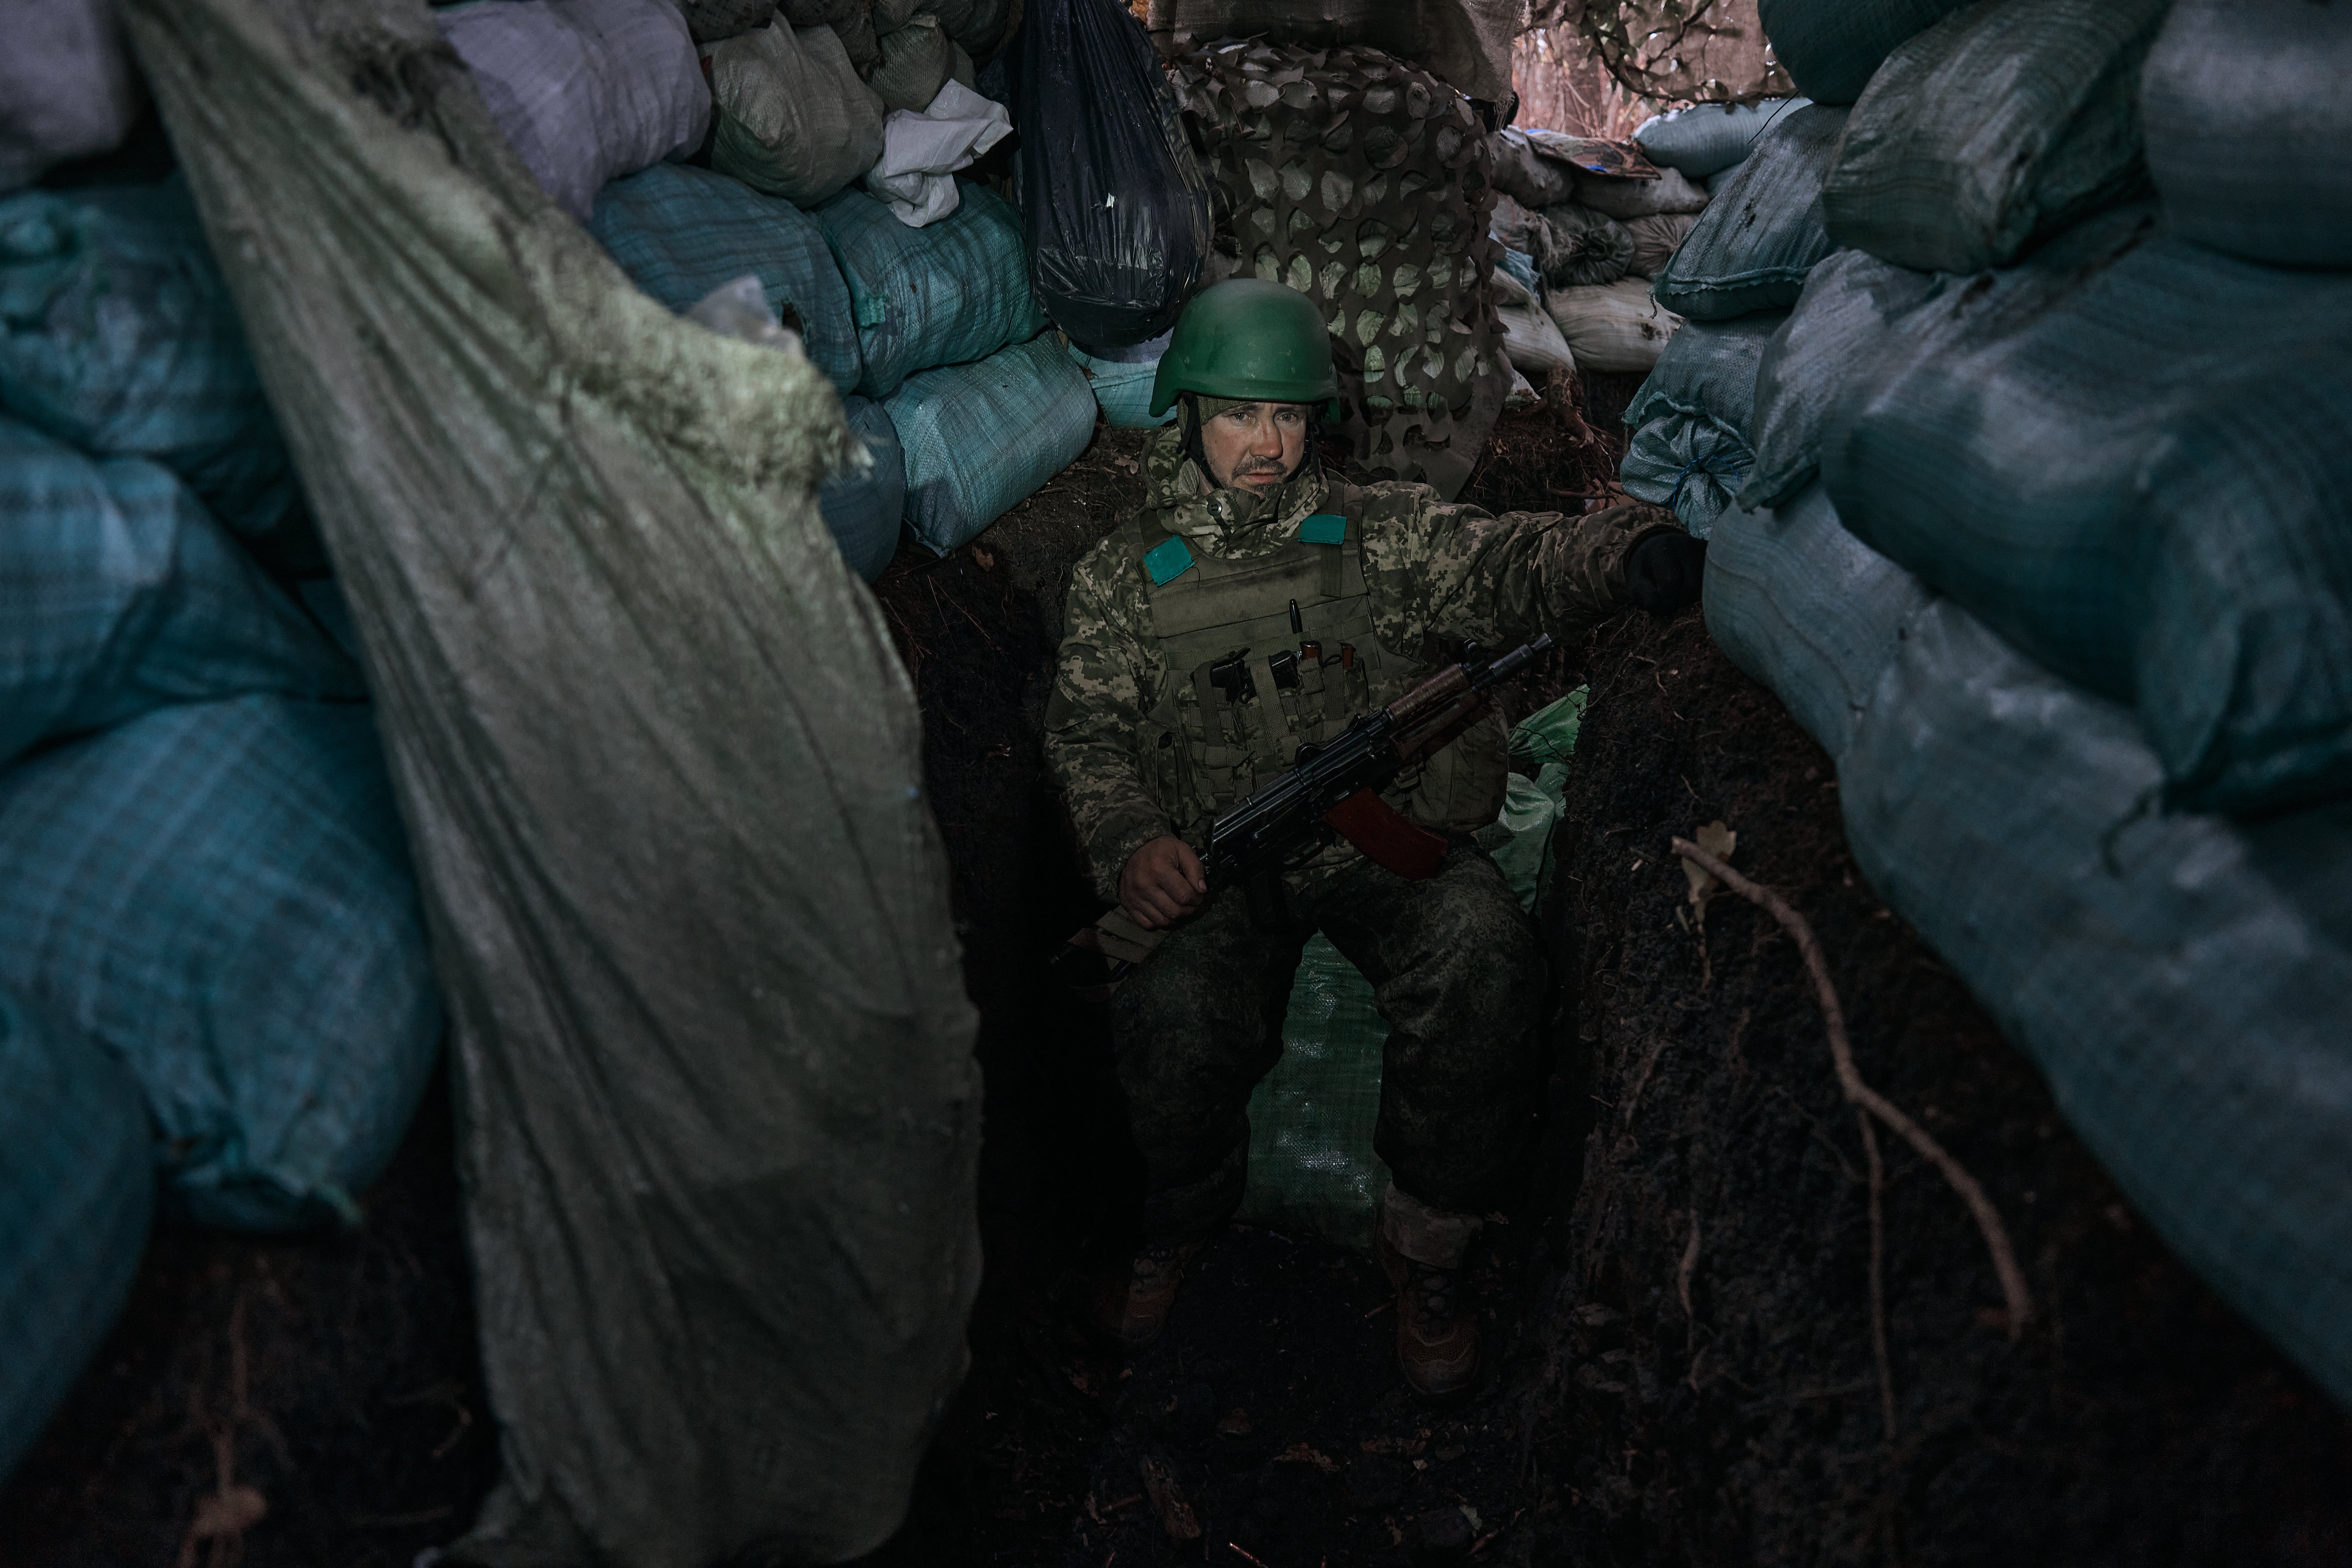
1250 339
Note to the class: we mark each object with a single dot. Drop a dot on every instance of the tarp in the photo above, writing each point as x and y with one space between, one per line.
660 771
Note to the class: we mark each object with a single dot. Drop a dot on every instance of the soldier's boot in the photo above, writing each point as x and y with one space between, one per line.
1437 1327
1129 1302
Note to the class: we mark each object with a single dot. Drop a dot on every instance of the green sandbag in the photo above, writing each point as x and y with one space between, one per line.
1763 232
1829 47
1690 420
661 774
1997 126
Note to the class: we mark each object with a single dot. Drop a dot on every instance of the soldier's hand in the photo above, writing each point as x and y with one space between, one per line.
1161 883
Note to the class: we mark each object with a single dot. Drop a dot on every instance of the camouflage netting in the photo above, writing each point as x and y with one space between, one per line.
1686 51
1360 180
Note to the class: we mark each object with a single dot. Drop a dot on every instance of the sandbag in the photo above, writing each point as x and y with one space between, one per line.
1611 326
66 91
1808 609
915 61
1121 383
661 772
948 293
921 152
2243 106
679 232
1622 198
75 1192
1115 204
2179 981
117 336
1572 245
1526 173
1533 341
585 90
861 507
817 13
1751 249
858 41
980 439
118 594
1691 419
714 21
1514 278
1656 240
1466 43
1704 139
1838 325
1831 48
1999 125
789 114
218 893
2141 485
1312 1169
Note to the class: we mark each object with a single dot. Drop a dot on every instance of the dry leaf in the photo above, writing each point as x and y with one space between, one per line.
1718 841
1304 1454
1175 1510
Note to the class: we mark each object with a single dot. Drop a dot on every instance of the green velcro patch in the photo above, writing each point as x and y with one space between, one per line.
1167 559
1324 528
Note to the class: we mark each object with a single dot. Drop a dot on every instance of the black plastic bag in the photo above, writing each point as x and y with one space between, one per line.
1115 205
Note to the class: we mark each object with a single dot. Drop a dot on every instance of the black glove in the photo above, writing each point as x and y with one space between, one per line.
1662 571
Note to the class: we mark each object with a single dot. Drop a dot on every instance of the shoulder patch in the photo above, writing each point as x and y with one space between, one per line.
1324 528
1167 559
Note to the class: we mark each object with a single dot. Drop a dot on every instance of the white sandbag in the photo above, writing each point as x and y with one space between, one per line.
1532 341
791 117
921 152
1510 291
65 87
583 90
1656 238
1612 326
1621 198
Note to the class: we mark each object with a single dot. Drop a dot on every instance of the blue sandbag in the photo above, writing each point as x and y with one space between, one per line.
948 293
863 510
1705 138
118 336
980 438
219 894
1691 418
1763 232
119 593
77 1184
1830 48
680 232
1121 383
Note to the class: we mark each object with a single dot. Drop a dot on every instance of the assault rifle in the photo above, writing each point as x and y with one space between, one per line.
1333 788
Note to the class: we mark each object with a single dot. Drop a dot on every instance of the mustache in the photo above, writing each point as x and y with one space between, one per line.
1261 466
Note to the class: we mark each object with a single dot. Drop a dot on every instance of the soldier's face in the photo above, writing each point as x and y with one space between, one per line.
1255 444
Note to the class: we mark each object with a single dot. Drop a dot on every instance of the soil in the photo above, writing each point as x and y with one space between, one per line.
1678 1313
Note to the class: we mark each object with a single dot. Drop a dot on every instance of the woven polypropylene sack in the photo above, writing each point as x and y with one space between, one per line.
66 91
1656 240
1838 325
586 91
1616 327
714 21
118 594
2179 981
1115 204
2141 486
2246 117
1532 341
1466 43
1525 175
1830 48
117 336
1122 388
915 61
1312 1171
790 116
218 893
1572 245
661 779
1705 138
680 232
1623 198
862 510
950 292
75 1192
1999 125
1752 248
1360 180
1808 609
1691 419
981 439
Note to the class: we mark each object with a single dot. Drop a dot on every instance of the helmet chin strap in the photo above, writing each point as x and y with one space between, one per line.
1310 459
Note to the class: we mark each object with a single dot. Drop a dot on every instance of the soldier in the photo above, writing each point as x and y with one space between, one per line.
1167 706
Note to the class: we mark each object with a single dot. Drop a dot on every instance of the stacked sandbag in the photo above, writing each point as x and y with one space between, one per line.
1531 338
1764 231
1996 127
66 91
2246 118
1617 327
979 438
862 503
1692 418
1360 180
583 90
1704 139
1830 48
948 293
76 1187
1121 381
791 116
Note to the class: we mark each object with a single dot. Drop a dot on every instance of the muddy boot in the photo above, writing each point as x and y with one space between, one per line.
1420 1249
1129 1301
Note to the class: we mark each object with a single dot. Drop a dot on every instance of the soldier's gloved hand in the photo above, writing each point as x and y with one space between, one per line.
1161 883
1662 571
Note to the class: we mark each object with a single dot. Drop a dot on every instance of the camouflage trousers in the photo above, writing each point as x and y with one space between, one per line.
1456 969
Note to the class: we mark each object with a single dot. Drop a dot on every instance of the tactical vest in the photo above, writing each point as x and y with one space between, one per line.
1238 710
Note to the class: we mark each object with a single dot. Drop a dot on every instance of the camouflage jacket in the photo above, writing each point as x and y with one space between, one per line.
1432 566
